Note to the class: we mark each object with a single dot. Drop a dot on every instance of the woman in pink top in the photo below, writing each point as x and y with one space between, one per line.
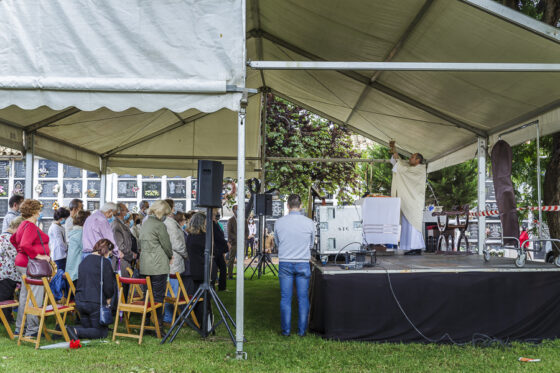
27 241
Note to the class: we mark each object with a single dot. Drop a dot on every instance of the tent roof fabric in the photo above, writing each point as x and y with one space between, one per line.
165 128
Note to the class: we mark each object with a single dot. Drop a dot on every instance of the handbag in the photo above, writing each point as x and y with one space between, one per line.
105 315
39 267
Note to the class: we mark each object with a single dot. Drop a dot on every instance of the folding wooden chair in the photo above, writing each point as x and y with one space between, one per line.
179 299
70 298
7 304
144 307
135 291
49 308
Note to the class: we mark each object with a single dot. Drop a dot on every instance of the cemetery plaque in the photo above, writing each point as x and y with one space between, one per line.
4 192
3 206
19 169
92 174
127 176
48 189
93 187
151 189
495 230
45 224
176 188
92 205
72 188
5 169
180 205
72 172
194 184
48 169
277 209
48 210
19 187
125 189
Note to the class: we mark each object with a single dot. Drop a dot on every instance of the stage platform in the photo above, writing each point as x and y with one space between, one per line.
460 295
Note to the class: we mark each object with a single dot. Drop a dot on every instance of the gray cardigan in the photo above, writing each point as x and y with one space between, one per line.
178 245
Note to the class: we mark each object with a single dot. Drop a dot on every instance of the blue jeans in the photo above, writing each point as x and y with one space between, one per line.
301 273
168 314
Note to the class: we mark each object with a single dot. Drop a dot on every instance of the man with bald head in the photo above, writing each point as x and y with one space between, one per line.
409 184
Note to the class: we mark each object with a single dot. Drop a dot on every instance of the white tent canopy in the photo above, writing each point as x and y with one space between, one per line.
134 86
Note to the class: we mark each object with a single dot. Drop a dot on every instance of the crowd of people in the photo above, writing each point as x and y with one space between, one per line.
156 241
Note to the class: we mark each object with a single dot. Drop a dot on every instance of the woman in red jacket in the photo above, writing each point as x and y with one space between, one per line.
27 241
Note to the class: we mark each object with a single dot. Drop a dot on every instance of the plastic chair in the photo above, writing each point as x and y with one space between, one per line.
179 299
148 305
49 308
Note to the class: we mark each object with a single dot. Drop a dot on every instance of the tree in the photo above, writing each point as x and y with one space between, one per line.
453 186
295 132
547 11
376 177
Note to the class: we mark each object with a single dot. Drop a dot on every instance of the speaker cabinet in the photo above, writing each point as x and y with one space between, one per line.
209 186
263 204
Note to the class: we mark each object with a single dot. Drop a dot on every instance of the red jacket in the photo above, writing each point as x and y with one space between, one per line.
26 241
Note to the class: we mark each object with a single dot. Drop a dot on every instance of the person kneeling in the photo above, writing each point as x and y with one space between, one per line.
88 291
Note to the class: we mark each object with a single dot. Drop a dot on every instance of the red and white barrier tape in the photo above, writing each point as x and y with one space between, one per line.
533 208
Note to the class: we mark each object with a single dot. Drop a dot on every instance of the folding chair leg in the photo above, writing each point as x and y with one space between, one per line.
40 331
126 316
62 326
156 322
142 328
22 327
174 312
116 326
6 324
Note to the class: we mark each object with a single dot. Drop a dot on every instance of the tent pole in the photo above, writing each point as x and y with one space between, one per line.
239 304
482 144
103 191
29 162
539 188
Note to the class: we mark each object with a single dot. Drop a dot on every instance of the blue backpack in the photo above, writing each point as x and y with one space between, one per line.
59 285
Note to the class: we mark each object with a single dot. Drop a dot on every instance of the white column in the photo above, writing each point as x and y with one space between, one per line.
239 304
29 163
482 145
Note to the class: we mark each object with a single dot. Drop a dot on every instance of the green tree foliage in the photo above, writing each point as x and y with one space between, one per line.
295 132
453 186
376 177
524 170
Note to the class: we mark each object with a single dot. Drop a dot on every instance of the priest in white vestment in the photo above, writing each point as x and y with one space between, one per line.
409 184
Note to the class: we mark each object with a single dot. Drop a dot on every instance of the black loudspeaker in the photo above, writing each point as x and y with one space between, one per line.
263 204
209 186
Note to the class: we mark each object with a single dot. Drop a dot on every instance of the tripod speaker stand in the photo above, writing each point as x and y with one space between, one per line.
263 207
205 292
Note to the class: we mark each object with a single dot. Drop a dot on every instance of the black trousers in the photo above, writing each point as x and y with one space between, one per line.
7 289
90 327
159 283
220 267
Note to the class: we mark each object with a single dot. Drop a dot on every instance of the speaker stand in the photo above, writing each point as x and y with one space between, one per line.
205 294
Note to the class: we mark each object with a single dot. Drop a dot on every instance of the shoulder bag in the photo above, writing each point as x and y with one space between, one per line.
105 315
39 267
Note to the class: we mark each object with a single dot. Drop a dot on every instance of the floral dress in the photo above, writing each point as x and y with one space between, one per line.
7 259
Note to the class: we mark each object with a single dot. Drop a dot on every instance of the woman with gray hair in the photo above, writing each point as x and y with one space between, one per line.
156 251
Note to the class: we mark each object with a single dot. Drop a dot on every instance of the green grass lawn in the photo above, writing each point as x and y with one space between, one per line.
269 352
